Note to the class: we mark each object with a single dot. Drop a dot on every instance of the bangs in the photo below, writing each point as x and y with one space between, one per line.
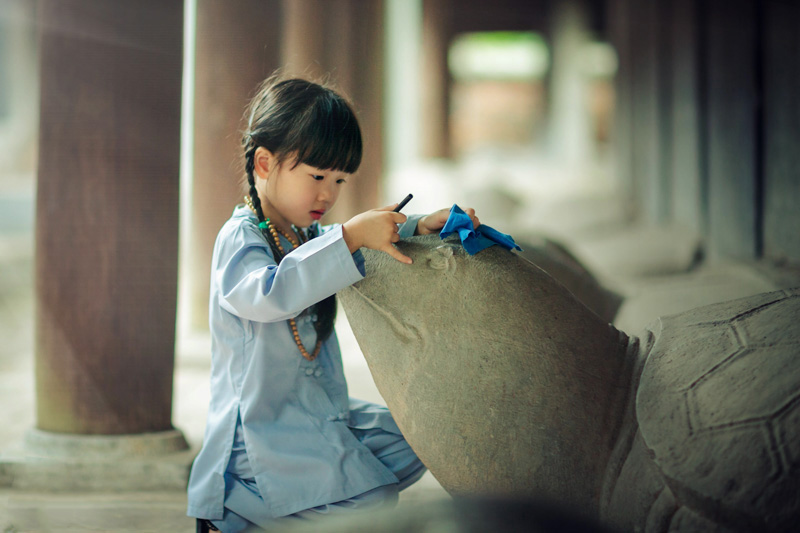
327 136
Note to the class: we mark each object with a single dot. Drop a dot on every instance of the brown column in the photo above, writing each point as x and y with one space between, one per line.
686 145
733 99
365 82
107 215
781 123
646 102
237 47
437 16
341 42
303 48
619 21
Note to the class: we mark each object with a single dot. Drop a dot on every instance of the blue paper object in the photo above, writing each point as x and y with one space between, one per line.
474 240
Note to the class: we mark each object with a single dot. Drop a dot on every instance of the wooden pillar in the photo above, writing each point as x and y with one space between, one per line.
663 18
340 42
733 174
619 24
107 215
686 114
237 47
303 47
781 49
647 141
365 56
435 82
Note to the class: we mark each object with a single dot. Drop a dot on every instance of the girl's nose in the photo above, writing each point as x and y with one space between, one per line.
327 192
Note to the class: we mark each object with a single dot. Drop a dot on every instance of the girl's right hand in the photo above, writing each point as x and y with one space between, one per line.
375 229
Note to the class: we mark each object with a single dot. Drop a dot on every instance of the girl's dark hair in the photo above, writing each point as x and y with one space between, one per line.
299 120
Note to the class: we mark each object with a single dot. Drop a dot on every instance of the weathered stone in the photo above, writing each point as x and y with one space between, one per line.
504 384
561 264
467 322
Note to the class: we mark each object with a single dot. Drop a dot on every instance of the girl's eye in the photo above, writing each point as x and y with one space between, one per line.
318 177
341 181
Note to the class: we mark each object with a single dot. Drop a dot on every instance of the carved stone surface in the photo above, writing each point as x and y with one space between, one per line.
448 341
504 384
718 406
561 264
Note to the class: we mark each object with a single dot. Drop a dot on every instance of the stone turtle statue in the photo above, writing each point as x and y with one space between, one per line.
555 259
504 384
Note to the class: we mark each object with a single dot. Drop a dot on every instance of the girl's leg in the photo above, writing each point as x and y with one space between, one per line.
393 451
233 523
244 508
375 428
241 502
385 496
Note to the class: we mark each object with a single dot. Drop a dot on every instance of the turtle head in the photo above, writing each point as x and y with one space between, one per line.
447 301
487 356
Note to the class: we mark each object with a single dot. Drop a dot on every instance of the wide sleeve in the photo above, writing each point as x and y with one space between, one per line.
409 227
253 287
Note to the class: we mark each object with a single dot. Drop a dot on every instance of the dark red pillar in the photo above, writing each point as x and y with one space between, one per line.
437 33
237 47
341 42
107 215
732 128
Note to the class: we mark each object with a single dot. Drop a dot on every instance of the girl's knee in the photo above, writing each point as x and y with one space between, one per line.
405 465
379 496
411 475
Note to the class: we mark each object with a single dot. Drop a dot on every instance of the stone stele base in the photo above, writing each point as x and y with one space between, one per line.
57 462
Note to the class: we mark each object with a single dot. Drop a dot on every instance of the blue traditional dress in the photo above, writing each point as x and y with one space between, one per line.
282 436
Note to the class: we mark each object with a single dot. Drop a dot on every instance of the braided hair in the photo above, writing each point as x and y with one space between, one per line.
312 124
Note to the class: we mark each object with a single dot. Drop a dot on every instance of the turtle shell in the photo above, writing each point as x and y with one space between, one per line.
718 407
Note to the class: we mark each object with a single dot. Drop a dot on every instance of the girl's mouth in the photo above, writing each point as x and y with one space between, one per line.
316 215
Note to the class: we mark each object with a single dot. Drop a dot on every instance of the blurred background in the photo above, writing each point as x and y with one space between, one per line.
656 142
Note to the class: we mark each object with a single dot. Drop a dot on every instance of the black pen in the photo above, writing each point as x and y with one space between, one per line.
402 204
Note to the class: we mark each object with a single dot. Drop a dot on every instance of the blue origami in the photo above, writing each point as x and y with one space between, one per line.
474 240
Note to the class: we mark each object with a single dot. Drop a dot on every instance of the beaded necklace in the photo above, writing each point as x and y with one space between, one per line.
302 238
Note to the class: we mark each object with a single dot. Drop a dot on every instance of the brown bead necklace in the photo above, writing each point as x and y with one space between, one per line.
301 238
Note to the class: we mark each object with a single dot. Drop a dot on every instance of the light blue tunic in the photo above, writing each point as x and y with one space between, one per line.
294 412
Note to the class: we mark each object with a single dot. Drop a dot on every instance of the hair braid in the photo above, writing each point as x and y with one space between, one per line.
249 157
325 309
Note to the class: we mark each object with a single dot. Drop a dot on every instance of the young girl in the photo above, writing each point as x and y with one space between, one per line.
283 441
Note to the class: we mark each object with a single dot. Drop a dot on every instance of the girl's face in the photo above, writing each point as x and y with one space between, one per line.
299 195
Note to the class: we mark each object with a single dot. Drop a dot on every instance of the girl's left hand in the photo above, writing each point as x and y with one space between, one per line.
436 220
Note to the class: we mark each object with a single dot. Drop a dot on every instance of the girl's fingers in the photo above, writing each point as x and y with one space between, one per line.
471 213
394 219
399 218
394 252
438 219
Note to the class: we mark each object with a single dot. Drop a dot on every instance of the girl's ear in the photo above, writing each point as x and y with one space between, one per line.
263 162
